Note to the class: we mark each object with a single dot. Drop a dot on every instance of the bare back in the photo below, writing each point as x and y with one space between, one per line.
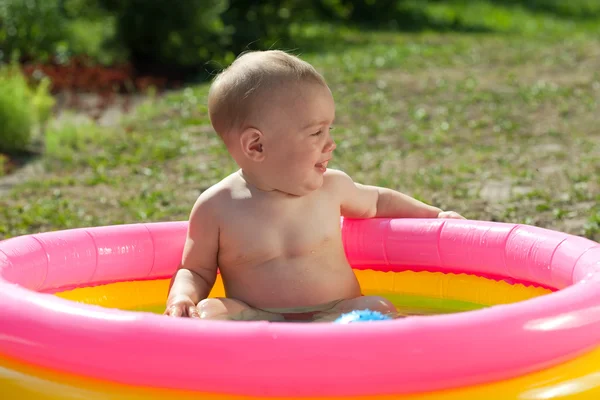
280 251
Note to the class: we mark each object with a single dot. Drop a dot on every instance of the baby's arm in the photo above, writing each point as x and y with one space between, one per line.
197 273
365 201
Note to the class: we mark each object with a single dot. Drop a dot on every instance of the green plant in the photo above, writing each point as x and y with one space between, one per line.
66 139
169 33
22 107
3 162
592 226
199 35
30 28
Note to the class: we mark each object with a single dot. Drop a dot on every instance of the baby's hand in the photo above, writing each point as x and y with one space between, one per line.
450 215
182 307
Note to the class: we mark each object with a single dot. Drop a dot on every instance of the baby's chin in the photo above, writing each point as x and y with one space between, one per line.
313 184
303 188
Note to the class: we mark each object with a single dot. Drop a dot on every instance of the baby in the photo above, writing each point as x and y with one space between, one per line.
273 227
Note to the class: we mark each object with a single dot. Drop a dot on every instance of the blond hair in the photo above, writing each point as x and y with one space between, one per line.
232 98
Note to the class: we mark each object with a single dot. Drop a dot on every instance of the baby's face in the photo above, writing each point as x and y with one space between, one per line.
297 140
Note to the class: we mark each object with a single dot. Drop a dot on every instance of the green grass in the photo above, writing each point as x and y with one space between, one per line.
496 119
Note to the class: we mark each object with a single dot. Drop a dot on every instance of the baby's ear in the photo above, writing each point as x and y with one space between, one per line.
251 142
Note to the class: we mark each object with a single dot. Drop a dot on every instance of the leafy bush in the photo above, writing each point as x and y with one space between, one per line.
32 28
169 33
195 33
262 24
362 11
21 108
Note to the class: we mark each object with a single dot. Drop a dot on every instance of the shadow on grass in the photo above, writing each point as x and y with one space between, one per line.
15 161
565 9
336 36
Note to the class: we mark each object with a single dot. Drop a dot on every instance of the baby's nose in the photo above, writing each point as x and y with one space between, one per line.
330 146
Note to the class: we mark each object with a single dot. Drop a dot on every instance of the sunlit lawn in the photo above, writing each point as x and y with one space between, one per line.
500 123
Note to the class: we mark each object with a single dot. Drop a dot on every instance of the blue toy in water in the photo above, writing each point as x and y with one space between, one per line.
361 316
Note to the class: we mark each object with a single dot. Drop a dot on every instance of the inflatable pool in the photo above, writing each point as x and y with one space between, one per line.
521 319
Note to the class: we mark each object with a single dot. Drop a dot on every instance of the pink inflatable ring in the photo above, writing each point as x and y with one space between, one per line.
401 356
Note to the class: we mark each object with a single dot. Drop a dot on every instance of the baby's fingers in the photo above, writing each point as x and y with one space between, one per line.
450 215
174 311
193 312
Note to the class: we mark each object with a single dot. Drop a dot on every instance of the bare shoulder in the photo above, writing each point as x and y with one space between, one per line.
336 180
356 200
214 201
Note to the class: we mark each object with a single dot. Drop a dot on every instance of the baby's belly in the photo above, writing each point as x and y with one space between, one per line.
291 283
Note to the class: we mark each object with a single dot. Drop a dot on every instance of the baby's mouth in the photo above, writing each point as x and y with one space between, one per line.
322 164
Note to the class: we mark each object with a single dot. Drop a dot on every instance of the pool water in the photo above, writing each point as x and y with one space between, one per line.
405 304
413 293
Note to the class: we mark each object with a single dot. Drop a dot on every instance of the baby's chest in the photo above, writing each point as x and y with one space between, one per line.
264 235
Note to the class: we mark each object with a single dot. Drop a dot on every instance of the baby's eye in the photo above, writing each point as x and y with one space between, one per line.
321 131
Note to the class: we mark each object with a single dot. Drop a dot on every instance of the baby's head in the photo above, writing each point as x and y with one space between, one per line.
274 112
